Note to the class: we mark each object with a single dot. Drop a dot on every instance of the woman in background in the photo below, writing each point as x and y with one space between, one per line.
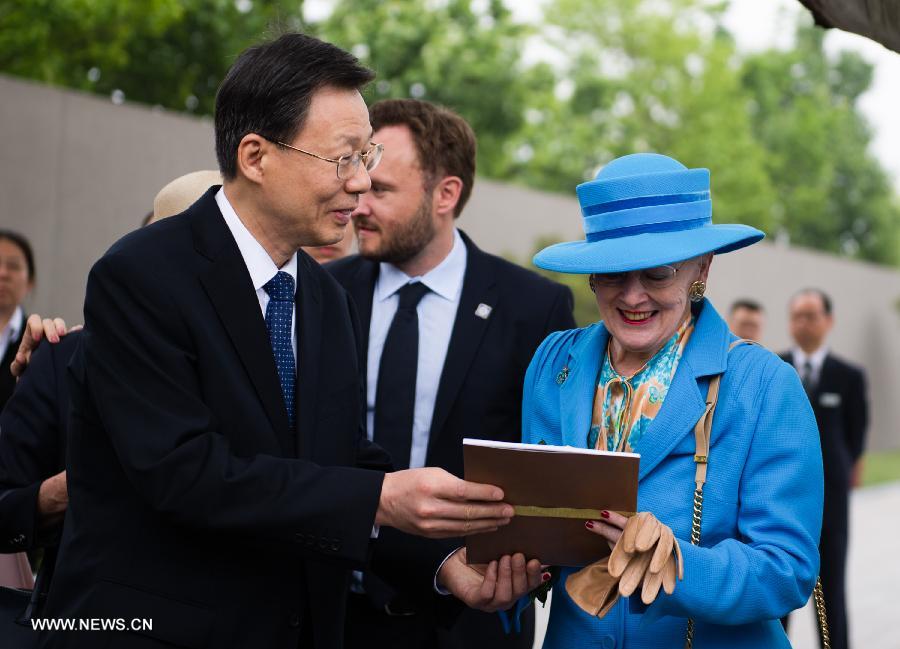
16 282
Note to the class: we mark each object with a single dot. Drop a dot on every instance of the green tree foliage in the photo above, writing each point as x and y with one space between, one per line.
831 193
451 53
781 130
638 75
172 53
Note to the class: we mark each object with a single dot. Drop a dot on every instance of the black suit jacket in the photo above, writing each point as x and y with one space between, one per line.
7 380
480 390
191 501
33 443
842 414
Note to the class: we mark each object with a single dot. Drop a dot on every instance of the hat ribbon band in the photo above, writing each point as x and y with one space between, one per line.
644 201
657 218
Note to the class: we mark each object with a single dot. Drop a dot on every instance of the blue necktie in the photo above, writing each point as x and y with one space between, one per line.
279 313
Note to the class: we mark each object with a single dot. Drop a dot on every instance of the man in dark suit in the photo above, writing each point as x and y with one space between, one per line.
216 399
837 392
33 429
466 337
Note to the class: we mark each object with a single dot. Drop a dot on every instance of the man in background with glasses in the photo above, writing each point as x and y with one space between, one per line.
837 393
217 424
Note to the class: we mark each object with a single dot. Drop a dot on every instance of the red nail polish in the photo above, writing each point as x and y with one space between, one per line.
604 514
589 525
545 576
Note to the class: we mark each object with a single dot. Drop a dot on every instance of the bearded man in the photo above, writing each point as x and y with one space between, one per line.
449 331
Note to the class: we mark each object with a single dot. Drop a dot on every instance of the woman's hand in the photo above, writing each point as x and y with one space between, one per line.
644 551
36 329
610 528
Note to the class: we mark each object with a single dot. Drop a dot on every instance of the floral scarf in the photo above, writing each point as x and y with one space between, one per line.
625 405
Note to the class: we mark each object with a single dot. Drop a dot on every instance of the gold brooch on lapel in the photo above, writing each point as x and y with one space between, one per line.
562 376
483 311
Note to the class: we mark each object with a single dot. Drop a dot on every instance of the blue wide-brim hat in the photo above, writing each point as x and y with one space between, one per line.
644 210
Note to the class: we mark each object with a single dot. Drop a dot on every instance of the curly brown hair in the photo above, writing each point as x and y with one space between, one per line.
444 141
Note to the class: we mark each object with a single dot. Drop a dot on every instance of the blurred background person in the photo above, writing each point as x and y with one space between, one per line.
181 193
17 275
747 319
339 250
837 392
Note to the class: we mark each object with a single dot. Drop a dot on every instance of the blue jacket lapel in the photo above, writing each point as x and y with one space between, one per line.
576 397
705 355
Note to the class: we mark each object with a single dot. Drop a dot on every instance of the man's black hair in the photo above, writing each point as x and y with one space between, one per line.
826 301
269 88
746 303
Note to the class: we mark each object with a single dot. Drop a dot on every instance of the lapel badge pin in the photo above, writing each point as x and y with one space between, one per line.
563 375
483 311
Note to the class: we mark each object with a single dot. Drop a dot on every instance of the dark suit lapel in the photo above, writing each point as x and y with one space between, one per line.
362 290
706 355
826 375
686 405
479 287
308 318
229 287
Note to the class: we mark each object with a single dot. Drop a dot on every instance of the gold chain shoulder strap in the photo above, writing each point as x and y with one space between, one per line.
702 432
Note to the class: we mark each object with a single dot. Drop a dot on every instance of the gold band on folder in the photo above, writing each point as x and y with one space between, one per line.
561 512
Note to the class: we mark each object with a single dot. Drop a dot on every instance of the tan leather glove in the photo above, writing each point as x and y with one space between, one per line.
593 588
647 553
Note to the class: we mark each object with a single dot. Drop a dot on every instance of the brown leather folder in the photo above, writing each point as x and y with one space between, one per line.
555 489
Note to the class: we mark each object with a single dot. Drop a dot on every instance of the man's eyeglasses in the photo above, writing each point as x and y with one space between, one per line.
650 278
347 165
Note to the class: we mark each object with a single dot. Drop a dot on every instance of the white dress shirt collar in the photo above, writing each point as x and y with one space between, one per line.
258 261
14 326
445 279
10 333
816 359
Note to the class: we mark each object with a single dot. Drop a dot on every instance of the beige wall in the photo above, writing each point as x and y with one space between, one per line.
508 219
77 172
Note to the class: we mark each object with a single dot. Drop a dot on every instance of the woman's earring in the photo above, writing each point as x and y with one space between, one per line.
697 290
591 283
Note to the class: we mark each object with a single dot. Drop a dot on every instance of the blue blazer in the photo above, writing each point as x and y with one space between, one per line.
758 559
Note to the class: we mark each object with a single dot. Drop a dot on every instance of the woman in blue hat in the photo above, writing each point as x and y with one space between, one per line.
730 482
